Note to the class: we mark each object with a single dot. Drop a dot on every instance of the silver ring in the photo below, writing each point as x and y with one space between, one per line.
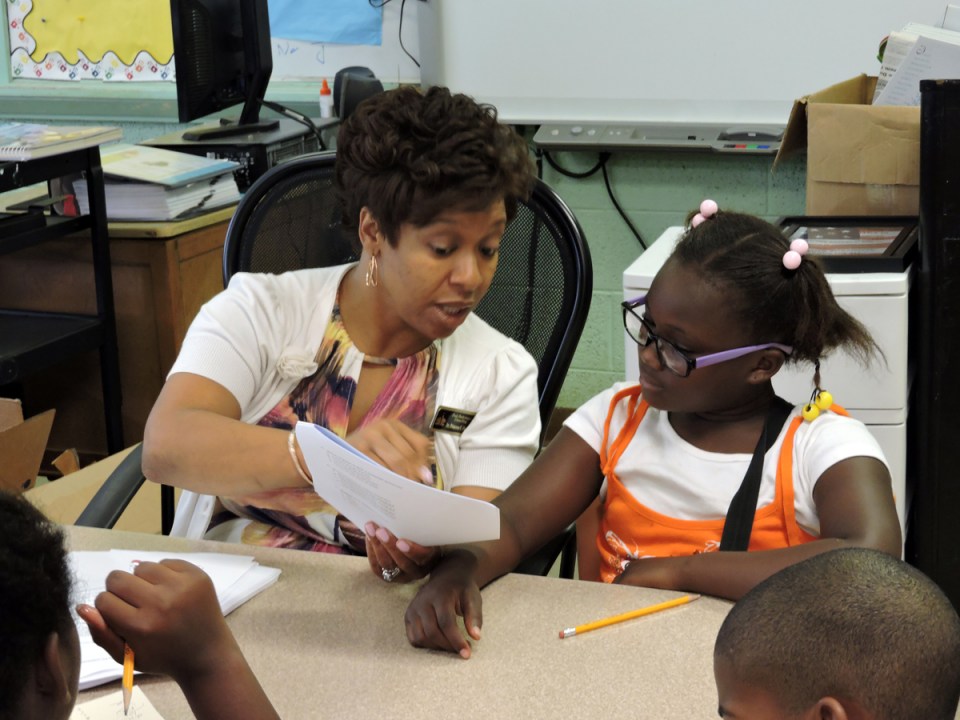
389 575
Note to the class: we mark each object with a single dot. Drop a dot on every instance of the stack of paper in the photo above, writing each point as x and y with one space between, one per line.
237 578
918 52
154 184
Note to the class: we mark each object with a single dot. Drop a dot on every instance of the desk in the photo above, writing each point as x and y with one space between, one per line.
159 284
328 641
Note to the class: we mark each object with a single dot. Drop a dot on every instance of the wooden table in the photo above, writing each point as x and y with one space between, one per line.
328 641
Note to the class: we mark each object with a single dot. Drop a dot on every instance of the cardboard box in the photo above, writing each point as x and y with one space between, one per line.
21 445
861 159
63 500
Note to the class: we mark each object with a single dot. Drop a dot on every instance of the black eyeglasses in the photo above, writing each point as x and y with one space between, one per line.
672 357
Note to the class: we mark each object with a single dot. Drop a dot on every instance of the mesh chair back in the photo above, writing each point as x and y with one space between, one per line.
291 219
541 291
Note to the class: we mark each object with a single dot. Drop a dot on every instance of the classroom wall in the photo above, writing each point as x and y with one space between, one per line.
657 190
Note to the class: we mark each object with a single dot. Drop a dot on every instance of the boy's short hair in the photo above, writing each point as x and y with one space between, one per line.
34 591
409 155
852 624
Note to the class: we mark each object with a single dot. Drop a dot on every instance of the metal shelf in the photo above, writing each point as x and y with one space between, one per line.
33 340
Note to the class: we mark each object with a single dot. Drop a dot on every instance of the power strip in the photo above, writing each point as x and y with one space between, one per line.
749 140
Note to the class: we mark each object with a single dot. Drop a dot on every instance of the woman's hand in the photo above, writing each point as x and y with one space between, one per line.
451 592
169 615
397 447
396 560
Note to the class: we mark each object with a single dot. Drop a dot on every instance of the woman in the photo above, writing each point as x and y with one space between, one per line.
378 351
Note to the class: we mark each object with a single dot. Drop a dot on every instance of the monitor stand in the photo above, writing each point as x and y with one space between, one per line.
229 128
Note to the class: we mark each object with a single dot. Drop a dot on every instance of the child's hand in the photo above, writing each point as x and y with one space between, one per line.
397 447
431 618
169 615
651 573
396 560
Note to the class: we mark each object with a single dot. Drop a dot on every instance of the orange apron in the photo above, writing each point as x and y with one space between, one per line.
629 530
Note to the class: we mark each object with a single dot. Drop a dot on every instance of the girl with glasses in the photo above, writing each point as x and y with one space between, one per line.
709 482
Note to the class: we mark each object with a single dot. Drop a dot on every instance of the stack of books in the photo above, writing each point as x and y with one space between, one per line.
143 183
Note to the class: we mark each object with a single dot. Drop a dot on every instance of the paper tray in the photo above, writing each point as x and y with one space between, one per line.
856 243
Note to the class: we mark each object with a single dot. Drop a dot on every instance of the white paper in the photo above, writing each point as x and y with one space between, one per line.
365 491
943 34
898 45
236 579
110 707
926 59
951 17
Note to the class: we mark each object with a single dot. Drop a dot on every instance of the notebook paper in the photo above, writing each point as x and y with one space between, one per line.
110 707
236 578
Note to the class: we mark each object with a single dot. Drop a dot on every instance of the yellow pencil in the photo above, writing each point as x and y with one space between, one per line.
127 677
580 629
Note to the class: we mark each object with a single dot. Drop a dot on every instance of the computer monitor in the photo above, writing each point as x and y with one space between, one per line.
223 59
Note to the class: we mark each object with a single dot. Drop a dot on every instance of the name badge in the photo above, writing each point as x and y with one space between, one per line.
452 421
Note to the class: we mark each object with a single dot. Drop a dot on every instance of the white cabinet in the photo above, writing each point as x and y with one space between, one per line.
876 395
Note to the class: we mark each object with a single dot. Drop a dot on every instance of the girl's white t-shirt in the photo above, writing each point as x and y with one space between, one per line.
672 477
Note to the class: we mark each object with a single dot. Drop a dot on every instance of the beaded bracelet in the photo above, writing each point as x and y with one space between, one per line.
291 446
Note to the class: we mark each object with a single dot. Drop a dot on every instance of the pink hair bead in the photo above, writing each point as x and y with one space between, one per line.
696 220
799 246
791 259
708 208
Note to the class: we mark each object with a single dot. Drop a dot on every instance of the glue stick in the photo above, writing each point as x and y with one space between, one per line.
326 100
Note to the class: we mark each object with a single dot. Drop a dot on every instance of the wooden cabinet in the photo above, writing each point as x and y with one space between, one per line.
159 284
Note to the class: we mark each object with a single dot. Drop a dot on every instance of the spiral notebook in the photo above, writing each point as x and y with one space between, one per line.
28 141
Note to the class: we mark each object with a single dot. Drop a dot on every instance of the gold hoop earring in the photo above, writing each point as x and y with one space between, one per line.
372 278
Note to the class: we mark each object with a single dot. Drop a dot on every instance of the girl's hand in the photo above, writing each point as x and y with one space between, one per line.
651 573
397 447
397 560
451 592
169 615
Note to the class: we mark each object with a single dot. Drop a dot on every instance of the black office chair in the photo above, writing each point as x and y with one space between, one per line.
290 218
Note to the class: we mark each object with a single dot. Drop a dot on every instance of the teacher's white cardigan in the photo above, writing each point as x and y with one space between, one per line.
258 339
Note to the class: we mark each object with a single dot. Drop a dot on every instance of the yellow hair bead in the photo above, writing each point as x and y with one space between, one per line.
824 400
810 412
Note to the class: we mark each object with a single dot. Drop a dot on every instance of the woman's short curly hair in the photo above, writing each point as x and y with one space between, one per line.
408 155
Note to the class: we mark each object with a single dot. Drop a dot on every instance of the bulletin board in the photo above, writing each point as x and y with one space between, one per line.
106 40
102 40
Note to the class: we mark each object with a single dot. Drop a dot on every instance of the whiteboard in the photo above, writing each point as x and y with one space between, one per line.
299 60
727 61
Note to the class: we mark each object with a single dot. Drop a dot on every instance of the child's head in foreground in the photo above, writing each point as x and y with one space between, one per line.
39 646
851 634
